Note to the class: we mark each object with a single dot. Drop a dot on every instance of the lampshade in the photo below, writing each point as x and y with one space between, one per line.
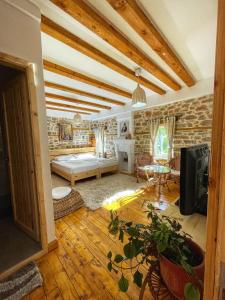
139 97
77 118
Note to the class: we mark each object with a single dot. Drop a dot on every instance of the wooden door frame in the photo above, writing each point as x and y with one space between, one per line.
216 204
28 68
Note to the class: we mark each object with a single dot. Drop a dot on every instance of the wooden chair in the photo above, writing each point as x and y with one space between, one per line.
174 164
141 160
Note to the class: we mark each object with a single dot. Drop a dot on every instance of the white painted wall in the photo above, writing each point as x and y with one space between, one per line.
20 37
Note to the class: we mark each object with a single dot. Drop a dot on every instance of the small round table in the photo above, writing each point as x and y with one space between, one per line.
156 175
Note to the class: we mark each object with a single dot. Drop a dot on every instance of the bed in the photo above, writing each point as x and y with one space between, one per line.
78 166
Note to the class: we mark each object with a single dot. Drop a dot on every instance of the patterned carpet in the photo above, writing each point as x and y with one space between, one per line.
106 191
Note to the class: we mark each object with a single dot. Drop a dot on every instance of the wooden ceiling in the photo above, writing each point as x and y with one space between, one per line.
138 20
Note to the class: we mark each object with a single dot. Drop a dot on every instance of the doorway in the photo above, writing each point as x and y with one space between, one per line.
20 233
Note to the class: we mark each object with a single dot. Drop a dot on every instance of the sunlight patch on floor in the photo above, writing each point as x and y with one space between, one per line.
121 198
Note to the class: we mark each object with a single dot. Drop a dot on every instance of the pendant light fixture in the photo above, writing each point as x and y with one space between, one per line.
138 96
77 118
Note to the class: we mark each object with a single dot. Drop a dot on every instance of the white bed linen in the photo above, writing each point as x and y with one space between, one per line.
82 164
74 167
107 162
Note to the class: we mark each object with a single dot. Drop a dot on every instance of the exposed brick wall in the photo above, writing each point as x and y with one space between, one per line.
192 127
82 137
111 134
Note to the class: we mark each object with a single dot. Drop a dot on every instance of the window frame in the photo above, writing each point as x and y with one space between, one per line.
161 156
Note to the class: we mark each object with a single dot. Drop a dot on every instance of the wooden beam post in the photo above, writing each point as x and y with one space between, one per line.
134 15
55 68
68 110
73 100
83 13
66 37
72 106
82 93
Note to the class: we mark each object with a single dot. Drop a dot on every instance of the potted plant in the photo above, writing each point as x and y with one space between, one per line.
161 241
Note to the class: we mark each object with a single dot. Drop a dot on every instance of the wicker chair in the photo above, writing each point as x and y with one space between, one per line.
174 164
141 160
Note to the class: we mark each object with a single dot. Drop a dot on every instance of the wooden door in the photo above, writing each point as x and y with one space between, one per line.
21 154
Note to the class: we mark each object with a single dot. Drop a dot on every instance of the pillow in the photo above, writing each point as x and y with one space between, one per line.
85 155
64 157
60 192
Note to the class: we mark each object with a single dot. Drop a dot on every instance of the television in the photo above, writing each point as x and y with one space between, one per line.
194 179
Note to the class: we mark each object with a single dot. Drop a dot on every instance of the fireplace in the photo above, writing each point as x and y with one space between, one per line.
125 153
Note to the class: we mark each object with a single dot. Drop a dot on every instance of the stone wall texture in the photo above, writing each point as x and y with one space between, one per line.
193 125
110 134
82 134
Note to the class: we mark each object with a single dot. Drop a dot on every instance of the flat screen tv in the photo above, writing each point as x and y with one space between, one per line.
194 180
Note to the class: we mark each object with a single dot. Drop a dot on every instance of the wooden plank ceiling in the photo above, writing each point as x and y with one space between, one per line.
135 16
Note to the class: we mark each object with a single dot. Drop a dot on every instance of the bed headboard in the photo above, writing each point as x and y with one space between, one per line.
56 152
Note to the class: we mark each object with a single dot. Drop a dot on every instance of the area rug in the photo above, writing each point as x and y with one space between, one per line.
107 190
21 283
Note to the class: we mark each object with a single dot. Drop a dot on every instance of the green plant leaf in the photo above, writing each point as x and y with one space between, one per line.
187 267
132 231
118 258
121 235
191 292
123 284
109 266
129 250
109 255
138 278
138 245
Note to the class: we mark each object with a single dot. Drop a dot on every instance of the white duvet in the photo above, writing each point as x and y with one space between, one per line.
83 162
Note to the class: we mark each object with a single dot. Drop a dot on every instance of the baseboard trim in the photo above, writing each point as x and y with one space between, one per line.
53 245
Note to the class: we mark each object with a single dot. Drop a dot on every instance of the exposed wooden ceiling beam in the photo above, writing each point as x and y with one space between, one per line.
52 67
63 35
73 100
68 110
83 13
137 19
82 93
72 106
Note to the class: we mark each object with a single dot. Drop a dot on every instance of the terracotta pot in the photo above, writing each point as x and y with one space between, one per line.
176 278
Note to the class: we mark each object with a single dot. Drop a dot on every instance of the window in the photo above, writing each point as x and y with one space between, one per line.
161 143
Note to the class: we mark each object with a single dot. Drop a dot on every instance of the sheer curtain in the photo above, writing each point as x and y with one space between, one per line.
100 141
170 130
154 126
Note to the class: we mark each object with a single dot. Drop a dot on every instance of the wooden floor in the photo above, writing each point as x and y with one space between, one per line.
78 268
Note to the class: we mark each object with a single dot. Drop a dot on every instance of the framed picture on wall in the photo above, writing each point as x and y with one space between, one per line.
65 132
124 127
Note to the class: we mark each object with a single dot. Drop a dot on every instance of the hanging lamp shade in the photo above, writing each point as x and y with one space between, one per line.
77 118
138 96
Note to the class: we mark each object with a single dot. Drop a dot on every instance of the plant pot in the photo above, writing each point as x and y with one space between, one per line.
175 276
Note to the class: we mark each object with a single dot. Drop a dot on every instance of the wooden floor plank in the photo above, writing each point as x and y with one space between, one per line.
78 268
54 295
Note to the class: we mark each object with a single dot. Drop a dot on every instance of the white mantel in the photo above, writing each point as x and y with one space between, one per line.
125 149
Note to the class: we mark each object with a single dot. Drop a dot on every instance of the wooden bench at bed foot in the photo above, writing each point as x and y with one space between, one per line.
67 205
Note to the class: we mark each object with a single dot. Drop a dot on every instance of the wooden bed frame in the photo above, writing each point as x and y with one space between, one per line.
74 177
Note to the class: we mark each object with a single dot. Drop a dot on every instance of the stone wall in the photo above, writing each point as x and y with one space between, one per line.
110 134
193 125
82 134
